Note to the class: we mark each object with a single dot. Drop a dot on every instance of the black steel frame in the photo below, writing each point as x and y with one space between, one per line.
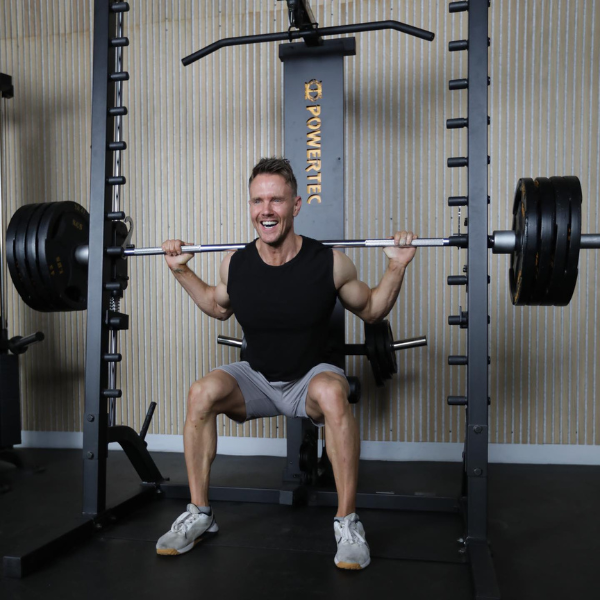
477 437
97 433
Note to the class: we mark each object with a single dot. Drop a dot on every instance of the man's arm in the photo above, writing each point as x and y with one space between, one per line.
372 305
212 300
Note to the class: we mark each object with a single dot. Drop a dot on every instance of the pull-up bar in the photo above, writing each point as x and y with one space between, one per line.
307 34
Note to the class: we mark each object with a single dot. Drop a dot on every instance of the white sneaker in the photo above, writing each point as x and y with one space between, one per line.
190 528
353 550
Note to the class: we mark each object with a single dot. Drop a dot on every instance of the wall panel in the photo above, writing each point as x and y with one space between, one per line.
193 134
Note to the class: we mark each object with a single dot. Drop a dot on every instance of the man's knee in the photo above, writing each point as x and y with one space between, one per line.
206 394
330 392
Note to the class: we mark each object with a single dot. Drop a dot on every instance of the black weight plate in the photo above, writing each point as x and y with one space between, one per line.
372 354
51 301
561 246
572 187
35 296
390 354
526 227
382 354
61 233
15 234
546 211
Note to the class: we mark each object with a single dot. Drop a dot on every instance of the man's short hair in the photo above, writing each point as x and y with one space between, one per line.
276 166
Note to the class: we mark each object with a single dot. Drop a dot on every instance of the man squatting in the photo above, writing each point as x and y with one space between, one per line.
282 288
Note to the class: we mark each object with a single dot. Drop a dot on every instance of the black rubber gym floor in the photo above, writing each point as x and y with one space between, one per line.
544 529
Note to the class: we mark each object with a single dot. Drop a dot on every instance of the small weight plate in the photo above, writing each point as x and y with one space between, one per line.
546 211
526 227
34 296
561 246
372 353
16 231
380 345
64 229
388 340
572 188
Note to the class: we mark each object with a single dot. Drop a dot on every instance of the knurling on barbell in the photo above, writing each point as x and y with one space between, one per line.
47 249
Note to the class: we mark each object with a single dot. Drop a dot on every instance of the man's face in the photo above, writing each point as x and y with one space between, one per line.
272 208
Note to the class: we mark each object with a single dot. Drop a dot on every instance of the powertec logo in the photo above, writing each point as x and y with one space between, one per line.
313 92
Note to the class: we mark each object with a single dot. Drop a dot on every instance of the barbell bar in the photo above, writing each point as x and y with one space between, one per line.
500 242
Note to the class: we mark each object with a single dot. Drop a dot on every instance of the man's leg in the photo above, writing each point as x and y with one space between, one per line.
217 393
327 401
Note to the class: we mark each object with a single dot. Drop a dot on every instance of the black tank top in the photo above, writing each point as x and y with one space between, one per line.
285 310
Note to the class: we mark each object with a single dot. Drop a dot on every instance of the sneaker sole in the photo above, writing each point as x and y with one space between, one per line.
174 552
352 566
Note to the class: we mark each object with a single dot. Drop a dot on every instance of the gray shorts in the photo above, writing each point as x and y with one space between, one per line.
272 398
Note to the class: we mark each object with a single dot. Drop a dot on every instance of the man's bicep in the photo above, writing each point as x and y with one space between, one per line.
355 295
221 295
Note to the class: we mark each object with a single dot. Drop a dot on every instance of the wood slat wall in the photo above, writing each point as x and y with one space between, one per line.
193 135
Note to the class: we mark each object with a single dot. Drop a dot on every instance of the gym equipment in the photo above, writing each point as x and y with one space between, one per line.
379 348
10 348
47 251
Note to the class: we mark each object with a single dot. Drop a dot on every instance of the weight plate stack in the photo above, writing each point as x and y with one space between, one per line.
17 269
561 242
31 245
17 259
546 211
63 228
526 225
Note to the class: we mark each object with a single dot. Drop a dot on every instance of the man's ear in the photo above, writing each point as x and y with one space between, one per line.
297 205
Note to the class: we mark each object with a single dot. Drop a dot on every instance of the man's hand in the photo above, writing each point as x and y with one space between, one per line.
400 255
173 255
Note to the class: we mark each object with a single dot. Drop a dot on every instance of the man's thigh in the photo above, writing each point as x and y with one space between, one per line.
321 375
255 391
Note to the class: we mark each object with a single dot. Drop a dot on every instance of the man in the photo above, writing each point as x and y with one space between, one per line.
282 289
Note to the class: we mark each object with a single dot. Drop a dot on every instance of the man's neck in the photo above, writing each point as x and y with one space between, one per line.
278 255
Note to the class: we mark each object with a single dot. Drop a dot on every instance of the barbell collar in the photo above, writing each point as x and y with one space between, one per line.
82 254
503 242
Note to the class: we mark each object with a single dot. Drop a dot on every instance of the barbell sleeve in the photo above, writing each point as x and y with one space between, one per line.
505 242
590 240
410 343
225 340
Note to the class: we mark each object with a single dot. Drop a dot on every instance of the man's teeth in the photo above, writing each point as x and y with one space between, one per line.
269 224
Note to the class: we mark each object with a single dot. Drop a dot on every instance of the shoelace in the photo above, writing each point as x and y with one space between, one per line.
350 535
184 522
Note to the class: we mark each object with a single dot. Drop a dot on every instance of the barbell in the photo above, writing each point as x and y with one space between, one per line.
379 348
47 247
